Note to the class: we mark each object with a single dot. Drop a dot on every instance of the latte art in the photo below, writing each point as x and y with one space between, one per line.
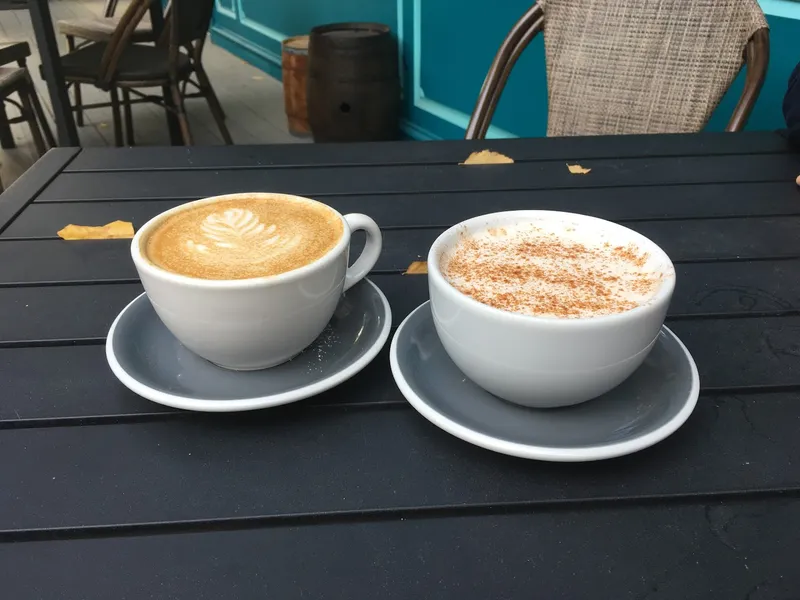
232 225
239 229
244 238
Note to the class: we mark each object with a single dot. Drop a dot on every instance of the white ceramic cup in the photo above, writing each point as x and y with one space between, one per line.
540 361
257 323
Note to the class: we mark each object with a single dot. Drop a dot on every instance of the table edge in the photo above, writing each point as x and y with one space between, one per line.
31 183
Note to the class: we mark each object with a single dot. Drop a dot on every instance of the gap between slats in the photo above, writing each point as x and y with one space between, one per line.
414 163
318 195
401 404
386 514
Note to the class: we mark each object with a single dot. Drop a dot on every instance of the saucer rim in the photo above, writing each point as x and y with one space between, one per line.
252 403
544 453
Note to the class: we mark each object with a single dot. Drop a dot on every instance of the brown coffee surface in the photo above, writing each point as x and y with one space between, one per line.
243 238
537 272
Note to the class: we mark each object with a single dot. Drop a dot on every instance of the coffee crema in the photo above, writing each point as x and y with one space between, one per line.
550 271
243 238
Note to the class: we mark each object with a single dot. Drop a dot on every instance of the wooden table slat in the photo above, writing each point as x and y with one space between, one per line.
684 241
39 382
674 551
42 382
199 157
326 181
61 313
439 210
735 289
231 465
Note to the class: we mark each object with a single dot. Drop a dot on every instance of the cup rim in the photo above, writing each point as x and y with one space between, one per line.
662 296
143 264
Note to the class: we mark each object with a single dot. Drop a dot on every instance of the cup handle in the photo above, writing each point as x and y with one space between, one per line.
372 249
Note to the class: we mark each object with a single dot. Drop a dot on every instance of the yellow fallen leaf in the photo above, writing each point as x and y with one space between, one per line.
577 169
258 77
418 267
487 157
110 231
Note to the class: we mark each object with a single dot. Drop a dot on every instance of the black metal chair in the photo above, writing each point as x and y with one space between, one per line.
121 65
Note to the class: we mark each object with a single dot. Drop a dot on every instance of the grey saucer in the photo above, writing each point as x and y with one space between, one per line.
646 408
150 361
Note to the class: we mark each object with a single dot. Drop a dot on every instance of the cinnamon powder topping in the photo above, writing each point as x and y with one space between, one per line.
528 270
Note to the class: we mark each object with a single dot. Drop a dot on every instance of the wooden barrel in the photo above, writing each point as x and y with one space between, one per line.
294 64
353 83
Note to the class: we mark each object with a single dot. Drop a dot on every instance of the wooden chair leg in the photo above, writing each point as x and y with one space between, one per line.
213 104
6 135
183 120
76 87
41 117
127 108
25 93
115 113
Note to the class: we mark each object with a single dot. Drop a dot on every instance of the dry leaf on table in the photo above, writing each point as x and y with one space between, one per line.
418 267
110 231
577 169
487 157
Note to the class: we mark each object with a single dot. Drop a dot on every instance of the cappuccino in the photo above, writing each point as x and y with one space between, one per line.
244 237
548 269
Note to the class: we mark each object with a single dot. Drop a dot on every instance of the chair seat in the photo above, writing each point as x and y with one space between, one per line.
100 29
9 77
138 63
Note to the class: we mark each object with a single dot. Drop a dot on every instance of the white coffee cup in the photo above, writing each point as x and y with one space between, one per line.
250 324
540 361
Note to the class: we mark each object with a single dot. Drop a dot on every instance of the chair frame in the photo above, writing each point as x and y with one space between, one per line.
756 57
30 112
18 53
105 80
78 108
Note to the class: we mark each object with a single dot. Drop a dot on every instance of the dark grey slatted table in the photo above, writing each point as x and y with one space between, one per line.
352 494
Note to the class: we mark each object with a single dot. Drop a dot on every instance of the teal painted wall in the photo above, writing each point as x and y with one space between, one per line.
253 29
446 55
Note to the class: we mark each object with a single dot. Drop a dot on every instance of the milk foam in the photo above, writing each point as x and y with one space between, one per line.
244 238
237 230
551 269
